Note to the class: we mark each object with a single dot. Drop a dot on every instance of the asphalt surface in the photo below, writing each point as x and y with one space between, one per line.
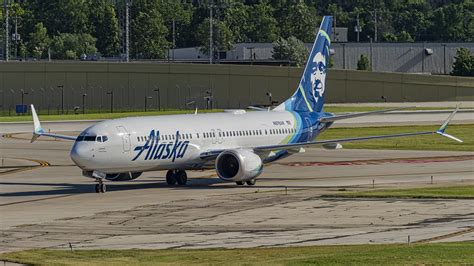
46 203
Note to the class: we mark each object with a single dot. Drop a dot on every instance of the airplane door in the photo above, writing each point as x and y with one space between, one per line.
309 127
220 136
125 138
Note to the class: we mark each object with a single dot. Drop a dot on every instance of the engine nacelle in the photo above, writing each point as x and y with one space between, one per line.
238 165
123 176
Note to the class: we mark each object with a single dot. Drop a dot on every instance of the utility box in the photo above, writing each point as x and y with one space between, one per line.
21 108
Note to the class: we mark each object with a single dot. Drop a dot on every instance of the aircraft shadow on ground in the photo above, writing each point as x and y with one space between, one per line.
56 189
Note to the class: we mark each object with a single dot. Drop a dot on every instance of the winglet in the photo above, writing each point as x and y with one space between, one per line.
38 130
442 129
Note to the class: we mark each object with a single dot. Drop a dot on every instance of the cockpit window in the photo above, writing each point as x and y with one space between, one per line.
86 138
102 138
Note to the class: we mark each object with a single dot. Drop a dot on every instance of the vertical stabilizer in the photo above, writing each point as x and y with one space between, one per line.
309 96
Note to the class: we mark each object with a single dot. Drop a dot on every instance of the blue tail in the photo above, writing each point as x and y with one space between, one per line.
309 97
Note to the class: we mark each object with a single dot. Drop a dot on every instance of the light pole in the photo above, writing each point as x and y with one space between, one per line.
158 99
84 103
111 93
146 101
23 93
62 98
209 99
270 98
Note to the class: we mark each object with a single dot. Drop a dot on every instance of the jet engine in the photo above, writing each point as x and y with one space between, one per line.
238 165
123 176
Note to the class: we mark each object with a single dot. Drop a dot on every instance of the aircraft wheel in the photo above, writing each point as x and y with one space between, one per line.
171 177
181 177
251 182
97 188
240 183
103 188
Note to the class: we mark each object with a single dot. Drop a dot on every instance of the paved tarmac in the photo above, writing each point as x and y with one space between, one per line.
46 203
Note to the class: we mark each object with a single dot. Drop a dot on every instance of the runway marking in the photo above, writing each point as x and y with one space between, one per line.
16 169
436 238
418 160
34 200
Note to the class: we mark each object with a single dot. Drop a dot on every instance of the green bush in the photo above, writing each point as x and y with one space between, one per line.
363 63
464 63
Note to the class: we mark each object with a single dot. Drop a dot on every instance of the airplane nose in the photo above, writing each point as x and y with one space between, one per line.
80 155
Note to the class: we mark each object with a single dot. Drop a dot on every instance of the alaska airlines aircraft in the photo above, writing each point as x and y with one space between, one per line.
236 143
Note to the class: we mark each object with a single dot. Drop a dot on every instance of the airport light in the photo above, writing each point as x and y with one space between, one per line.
208 99
270 98
111 93
62 98
146 101
84 103
158 99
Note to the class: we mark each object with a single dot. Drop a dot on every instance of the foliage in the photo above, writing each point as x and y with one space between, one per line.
72 46
235 20
370 254
290 49
363 63
39 41
297 20
223 40
105 27
464 63
148 32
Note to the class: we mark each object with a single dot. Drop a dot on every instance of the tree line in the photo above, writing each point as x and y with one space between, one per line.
66 29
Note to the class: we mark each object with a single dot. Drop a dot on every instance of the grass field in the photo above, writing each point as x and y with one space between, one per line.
415 254
4 117
453 192
430 142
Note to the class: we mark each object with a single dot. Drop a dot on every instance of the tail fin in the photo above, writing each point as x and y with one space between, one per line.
309 97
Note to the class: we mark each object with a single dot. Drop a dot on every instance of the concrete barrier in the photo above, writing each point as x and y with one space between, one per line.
187 85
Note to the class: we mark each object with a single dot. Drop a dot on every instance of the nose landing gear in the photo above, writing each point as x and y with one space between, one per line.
100 186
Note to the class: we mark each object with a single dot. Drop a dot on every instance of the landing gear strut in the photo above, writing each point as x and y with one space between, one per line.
176 176
100 186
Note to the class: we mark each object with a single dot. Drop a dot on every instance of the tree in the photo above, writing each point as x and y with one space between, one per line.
464 63
290 49
72 46
223 40
179 13
262 26
363 63
296 20
404 36
448 23
148 32
413 17
39 41
105 27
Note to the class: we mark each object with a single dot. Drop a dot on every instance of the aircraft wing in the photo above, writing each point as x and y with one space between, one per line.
352 115
39 131
440 131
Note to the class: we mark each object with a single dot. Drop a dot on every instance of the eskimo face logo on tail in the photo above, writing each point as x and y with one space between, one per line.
162 151
318 76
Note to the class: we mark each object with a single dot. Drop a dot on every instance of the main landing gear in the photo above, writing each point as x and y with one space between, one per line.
100 186
176 176
250 182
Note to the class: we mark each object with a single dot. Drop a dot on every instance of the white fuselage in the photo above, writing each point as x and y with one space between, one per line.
138 144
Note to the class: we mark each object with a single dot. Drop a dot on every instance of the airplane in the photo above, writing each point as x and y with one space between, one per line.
236 143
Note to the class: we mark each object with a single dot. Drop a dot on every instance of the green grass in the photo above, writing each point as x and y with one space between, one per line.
4 117
465 192
424 142
415 254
